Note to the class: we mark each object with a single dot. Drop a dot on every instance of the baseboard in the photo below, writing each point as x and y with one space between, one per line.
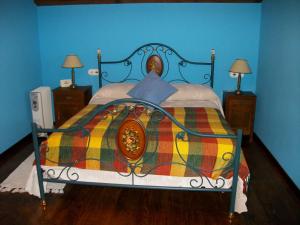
273 160
15 148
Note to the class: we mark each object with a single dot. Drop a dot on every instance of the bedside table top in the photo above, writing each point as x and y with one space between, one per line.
243 93
76 89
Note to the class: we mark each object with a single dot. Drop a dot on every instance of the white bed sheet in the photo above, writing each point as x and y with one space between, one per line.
109 177
187 95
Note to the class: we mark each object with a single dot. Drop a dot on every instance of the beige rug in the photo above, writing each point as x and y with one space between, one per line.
16 181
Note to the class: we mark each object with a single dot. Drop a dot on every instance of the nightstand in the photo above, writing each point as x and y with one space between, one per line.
240 111
69 101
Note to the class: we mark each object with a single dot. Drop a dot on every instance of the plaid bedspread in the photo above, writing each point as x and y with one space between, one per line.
98 150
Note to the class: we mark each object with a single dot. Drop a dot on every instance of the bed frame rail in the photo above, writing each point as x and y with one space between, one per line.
195 184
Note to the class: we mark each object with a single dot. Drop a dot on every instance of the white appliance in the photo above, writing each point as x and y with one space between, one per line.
41 107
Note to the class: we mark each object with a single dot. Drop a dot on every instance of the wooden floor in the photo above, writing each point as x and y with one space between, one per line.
271 201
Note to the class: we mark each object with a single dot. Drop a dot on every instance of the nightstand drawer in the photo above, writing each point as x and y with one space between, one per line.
240 107
69 99
242 103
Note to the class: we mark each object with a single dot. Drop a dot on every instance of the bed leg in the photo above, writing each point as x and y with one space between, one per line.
236 166
43 205
230 217
38 165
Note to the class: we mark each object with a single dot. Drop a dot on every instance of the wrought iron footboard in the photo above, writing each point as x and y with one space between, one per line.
132 150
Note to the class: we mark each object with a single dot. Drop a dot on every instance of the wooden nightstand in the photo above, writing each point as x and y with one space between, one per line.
240 111
69 101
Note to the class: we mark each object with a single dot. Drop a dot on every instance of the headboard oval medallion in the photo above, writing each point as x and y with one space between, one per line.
155 64
131 139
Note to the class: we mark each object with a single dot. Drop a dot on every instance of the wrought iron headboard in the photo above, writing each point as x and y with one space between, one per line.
155 56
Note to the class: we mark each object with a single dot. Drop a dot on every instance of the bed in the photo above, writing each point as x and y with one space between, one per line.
118 141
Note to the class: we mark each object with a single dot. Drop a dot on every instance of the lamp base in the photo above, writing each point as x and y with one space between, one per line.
73 85
238 91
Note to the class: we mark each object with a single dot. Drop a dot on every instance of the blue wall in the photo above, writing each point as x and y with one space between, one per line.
192 29
278 84
19 70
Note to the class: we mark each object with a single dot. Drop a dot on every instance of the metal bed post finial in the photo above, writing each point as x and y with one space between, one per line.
99 67
213 52
212 70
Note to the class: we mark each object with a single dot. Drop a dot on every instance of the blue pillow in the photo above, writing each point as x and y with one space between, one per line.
153 89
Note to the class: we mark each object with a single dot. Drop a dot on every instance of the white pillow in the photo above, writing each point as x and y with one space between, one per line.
114 91
189 95
192 92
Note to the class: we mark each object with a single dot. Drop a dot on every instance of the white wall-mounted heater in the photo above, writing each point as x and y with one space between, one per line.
41 107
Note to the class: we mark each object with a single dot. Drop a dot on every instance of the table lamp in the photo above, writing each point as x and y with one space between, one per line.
72 61
240 67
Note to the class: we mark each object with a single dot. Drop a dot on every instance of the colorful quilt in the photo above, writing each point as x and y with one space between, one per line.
95 148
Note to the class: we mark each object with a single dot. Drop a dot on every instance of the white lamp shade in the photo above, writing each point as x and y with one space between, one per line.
72 61
240 66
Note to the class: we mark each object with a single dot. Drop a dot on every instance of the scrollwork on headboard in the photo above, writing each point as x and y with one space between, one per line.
159 58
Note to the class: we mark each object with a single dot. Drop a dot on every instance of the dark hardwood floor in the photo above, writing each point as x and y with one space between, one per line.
272 200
